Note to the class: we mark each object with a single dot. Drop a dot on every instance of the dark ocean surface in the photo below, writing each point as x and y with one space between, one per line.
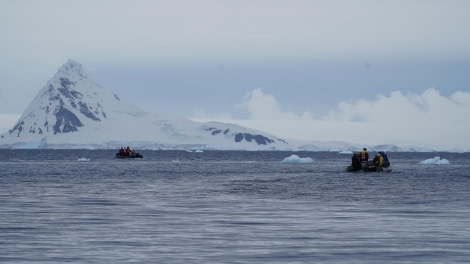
85 206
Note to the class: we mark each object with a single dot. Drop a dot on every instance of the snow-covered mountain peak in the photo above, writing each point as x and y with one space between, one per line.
69 101
72 68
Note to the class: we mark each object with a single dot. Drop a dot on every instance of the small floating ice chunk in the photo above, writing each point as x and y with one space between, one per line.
83 159
296 159
435 161
345 152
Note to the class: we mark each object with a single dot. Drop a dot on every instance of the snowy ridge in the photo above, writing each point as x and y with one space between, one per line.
72 111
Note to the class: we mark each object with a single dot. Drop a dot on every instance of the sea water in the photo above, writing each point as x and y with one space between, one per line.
85 206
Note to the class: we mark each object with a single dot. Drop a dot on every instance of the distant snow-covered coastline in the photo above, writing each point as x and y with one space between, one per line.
150 145
7 121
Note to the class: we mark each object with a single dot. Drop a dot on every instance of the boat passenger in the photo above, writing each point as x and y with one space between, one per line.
364 155
122 152
386 163
130 152
378 160
355 162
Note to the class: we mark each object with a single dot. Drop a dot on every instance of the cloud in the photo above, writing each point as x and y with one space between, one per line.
426 119
262 106
422 120
428 107
153 30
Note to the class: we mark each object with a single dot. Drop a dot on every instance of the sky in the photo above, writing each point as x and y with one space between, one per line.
364 71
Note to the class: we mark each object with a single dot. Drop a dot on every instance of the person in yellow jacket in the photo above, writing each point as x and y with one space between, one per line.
378 160
364 155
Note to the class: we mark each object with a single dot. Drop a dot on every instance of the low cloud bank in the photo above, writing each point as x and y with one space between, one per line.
426 120
262 106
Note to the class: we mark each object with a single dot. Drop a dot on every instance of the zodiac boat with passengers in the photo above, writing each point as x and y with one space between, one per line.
360 162
127 153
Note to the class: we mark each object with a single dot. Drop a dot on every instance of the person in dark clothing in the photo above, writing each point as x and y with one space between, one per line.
122 152
355 162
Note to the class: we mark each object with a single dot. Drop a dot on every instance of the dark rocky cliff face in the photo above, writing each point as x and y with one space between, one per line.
249 137
259 139
66 121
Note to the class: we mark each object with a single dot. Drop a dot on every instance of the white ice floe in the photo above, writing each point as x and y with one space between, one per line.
435 161
296 159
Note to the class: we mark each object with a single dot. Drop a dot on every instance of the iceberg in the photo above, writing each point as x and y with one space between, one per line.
435 161
296 159
40 144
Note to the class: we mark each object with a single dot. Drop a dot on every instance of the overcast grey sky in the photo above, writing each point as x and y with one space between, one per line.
308 60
